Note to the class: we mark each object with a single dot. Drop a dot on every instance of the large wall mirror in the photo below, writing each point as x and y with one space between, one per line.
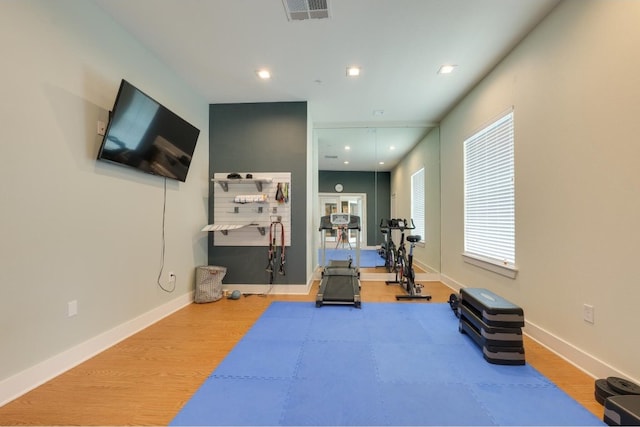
368 170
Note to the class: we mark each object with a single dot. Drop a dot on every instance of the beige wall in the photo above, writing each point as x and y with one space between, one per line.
73 228
426 154
574 84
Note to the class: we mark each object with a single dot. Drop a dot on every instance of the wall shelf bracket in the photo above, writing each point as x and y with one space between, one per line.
224 183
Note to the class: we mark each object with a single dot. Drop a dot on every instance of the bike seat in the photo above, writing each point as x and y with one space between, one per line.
384 230
413 238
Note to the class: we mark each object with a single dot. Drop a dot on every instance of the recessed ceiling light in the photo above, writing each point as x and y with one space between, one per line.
381 163
346 162
346 147
447 69
353 71
263 74
393 147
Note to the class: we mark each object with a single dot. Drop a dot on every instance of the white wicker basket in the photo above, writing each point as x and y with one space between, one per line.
209 283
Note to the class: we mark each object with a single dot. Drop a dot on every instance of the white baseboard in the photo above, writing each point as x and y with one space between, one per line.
456 286
275 289
582 360
384 277
426 267
22 382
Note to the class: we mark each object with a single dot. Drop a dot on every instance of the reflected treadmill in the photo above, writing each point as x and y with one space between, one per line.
340 283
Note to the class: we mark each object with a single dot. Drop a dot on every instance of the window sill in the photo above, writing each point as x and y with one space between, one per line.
507 270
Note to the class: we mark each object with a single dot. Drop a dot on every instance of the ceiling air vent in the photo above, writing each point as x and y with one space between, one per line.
300 10
328 156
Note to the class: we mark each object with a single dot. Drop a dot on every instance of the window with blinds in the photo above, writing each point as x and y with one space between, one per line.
417 203
489 194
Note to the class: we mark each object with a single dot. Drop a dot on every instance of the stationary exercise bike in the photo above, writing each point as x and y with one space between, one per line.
396 255
405 274
388 248
413 289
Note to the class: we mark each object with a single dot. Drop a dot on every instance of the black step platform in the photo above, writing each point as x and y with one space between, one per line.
492 309
492 335
498 355
622 410
494 324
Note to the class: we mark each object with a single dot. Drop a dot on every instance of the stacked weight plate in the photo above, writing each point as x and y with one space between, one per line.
621 400
494 323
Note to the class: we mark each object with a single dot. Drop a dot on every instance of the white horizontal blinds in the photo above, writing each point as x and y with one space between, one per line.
417 202
489 193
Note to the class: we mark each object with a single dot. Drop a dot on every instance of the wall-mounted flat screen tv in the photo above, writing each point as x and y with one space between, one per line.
146 136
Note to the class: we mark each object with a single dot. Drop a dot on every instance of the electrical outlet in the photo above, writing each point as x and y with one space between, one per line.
101 128
587 313
72 308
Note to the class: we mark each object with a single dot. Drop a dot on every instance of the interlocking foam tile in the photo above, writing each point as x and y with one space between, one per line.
279 329
517 404
434 404
476 370
400 311
384 330
335 401
408 363
287 310
338 327
340 360
233 401
261 359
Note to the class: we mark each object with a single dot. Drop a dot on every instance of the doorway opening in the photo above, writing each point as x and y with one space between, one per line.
351 203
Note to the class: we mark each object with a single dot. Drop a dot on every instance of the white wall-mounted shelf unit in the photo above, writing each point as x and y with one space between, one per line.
238 210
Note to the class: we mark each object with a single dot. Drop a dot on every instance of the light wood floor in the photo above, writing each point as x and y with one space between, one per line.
146 379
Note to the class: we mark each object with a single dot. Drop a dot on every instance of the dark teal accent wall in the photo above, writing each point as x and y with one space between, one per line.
377 186
261 137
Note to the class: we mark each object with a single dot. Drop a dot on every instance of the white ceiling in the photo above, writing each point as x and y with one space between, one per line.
217 45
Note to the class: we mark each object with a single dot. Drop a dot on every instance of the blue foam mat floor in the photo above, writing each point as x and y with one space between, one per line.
384 364
369 258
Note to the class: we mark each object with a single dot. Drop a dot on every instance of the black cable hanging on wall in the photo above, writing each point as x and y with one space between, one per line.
162 251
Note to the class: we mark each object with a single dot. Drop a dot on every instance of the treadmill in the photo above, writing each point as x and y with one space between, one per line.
340 283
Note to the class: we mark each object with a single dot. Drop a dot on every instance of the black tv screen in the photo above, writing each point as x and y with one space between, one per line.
145 135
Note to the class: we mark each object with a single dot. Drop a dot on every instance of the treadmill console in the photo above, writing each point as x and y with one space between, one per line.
340 219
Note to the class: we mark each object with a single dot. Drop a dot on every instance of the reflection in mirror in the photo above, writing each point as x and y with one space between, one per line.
378 163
